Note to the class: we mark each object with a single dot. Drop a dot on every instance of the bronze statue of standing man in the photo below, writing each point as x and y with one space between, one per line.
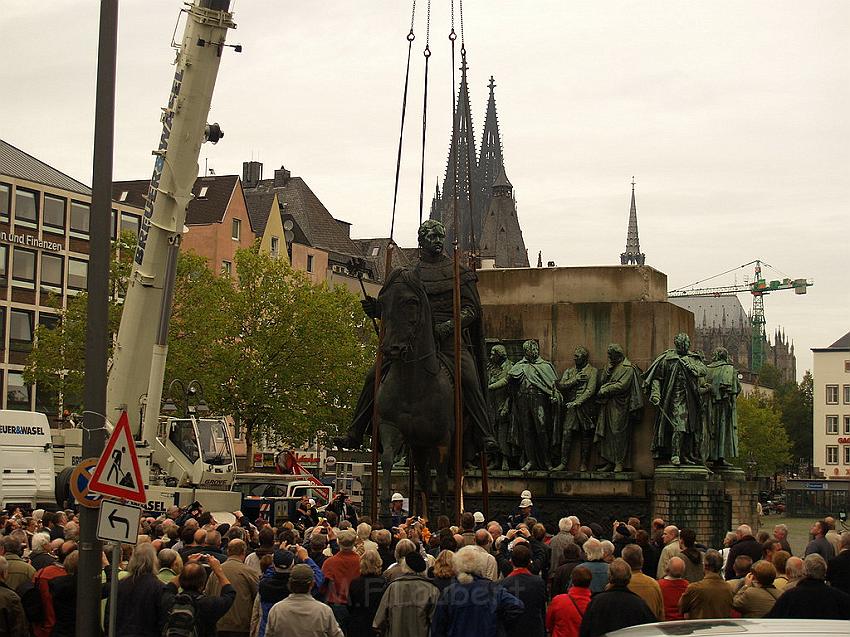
499 403
621 403
724 388
673 382
578 387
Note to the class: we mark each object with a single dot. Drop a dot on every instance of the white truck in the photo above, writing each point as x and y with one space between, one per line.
26 457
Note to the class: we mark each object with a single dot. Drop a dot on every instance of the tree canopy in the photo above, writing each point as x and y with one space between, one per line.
761 435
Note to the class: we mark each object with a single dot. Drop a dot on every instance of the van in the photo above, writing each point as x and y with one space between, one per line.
26 476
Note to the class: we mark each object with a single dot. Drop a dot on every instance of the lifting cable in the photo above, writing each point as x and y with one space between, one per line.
427 54
410 38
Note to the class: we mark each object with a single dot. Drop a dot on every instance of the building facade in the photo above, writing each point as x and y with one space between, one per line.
44 251
831 419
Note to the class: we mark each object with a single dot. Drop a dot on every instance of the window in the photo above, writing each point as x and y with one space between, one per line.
23 267
846 454
376 251
309 263
51 271
54 213
130 223
4 265
20 330
203 193
275 246
5 200
26 207
832 394
847 367
832 454
236 229
112 223
47 402
80 218
50 321
847 394
227 267
832 425
123 196
78 274
17 392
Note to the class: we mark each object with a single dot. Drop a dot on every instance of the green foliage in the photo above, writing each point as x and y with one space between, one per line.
770 376
795 403
761 435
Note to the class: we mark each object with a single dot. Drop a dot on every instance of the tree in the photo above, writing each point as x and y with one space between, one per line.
769 376
795 403
760 433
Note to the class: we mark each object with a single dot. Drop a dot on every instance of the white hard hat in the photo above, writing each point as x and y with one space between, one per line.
312 502
479 517
525 495
525 503
397 497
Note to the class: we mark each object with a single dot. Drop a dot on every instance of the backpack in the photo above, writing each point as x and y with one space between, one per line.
181 618
31 601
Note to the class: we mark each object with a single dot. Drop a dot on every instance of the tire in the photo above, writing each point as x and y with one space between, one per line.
63 488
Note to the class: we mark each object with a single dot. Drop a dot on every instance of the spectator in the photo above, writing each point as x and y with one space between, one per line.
607 551
779 561
13 622
398 513
272 588
565 612
244 580
641 585
691 555
833 536
710 598
651 553
467 526
339 571
408 604
838 571
170 565
192 579
793 571
728 541
342 507
595 564
745 545
139 611
616 607
558 543
482 545
819 543
670 539
299 614
63 593
403 547
623 536
384 540
267 547
472 606
540 552
18 571
769 548
780 532
758 594
741 567
530 589
40 555
55 524
673 586
364 533
443 571
563 574
364 594
812 598
44 627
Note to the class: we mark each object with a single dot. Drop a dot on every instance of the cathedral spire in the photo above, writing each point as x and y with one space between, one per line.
632 255
491 160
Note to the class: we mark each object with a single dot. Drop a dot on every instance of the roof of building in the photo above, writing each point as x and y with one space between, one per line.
16 163
715 311
259 208
841 345
320 228
375 251
207 207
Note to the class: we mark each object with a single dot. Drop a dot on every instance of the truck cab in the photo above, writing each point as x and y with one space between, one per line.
275 496
26 451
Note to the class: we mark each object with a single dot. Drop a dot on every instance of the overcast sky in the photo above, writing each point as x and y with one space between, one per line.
731 115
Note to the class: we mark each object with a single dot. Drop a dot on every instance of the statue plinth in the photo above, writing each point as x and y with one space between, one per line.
682 472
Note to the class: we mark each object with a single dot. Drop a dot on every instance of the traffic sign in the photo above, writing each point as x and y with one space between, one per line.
118 522
79 484
117 473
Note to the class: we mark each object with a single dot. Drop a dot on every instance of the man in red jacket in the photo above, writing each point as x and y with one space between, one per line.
563 618
340 570
673 586
42 578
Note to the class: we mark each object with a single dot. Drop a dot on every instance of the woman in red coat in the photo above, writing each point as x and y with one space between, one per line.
563 618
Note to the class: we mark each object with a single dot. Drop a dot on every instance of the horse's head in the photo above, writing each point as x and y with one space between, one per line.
406 318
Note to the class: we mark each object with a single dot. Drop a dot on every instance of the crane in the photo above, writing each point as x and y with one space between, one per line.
759 287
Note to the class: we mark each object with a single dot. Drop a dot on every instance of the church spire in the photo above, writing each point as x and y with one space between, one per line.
491 160
632 255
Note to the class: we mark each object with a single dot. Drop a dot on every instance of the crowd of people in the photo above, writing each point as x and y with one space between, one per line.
324 574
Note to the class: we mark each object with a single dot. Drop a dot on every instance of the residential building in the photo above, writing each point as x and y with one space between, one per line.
44 248
831 397
217 217
264 212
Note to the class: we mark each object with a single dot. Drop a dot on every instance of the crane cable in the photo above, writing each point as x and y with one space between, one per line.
427 54
410 38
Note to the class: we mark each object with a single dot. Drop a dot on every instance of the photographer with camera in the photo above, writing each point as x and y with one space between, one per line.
341 505
191 608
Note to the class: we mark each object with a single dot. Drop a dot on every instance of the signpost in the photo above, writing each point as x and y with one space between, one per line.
80 479
118 523
117 473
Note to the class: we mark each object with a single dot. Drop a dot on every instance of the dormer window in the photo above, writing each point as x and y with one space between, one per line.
123 196
203 193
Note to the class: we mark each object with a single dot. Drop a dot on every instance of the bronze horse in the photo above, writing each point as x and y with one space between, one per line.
415 399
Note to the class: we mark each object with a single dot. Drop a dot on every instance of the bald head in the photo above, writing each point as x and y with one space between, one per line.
482 538
200 536
794 568
676 568
671 534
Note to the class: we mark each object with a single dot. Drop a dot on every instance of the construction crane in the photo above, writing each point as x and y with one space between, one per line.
759 287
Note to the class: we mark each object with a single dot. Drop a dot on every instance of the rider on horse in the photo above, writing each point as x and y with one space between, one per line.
435 270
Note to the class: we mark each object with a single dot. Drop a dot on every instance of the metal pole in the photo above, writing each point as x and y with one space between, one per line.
97 336
457 383
485 485
113 588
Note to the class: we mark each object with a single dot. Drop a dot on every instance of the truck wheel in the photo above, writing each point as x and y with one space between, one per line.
63 488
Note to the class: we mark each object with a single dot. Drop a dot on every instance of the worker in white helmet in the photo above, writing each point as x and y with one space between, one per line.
397 511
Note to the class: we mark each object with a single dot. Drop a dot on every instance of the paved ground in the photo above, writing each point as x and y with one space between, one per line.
798 530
